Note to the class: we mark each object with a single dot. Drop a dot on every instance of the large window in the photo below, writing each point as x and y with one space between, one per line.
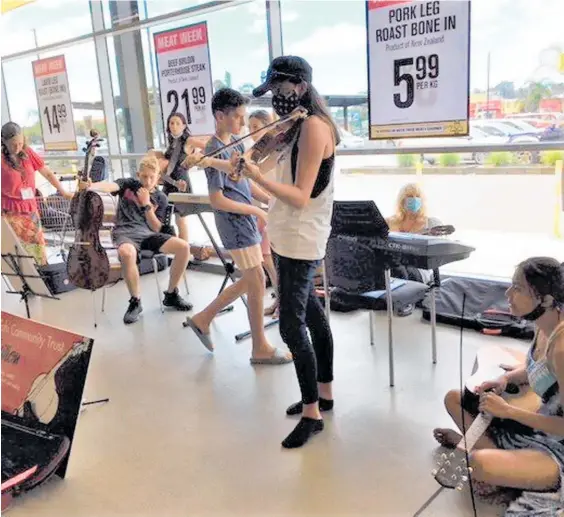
515 54
332 37
84 86
43 22
238 51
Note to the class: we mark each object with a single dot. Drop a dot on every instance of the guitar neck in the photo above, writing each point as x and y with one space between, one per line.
475 432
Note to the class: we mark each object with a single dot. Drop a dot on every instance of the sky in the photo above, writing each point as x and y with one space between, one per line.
523 37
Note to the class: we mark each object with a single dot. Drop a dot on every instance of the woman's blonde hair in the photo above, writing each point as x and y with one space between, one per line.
410 190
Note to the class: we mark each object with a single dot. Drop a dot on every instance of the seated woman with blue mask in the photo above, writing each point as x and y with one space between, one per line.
411 217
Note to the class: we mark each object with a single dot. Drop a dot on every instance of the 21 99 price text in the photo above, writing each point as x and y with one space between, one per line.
198 97
426 67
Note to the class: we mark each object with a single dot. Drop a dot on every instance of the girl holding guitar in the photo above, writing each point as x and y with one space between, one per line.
178 138
523 449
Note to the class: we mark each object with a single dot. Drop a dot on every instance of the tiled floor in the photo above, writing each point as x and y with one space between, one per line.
188 433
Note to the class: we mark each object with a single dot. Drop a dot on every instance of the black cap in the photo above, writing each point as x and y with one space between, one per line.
284 67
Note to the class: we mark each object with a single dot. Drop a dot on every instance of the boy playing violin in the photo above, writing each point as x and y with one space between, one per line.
236 221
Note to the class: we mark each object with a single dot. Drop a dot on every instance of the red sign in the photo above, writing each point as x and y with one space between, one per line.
51 65
378 4
186 37
32 354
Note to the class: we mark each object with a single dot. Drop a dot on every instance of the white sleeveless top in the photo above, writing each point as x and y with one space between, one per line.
300 233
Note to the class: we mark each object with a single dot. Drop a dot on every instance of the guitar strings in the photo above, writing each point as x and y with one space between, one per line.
467 456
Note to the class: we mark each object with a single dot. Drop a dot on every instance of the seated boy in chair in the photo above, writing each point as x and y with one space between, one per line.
139 226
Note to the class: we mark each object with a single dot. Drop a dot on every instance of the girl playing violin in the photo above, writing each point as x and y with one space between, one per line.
299 223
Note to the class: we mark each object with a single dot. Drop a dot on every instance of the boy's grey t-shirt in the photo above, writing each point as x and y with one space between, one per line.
237 231
131 221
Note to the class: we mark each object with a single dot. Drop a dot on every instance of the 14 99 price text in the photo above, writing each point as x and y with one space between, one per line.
425 76
55 115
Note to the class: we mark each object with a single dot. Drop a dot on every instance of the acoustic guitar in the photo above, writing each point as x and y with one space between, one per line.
42 401
491 362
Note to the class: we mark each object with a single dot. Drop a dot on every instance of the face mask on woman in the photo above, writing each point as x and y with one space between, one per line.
412 204
285 105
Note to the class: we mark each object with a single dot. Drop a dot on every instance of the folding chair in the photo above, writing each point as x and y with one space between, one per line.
352 268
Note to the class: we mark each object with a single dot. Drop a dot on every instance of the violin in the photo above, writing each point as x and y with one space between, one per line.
278 136
273 143
88 266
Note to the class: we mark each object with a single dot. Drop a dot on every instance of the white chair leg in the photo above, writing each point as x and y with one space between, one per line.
371 323
94 308
186 284
104 298
156 273
190 258
390 309
434 325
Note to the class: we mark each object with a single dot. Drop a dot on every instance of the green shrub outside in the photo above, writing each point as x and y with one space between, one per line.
449 160
550 158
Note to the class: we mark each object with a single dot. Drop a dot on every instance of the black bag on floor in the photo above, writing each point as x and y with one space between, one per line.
486 309
56 278
146 265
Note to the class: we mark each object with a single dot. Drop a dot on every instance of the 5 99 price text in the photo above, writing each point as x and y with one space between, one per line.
426 74
55 115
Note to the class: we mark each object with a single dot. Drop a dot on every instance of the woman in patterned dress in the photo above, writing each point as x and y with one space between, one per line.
19 208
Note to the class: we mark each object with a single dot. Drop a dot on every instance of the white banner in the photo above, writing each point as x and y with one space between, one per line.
185 79
54 102
418 68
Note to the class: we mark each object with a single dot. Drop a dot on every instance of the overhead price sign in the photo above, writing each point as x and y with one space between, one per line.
10 5
418 68
54 102
185 79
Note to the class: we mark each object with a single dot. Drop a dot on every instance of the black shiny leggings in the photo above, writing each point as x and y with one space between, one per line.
300 311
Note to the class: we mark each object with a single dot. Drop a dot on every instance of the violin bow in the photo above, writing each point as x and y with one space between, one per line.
296 113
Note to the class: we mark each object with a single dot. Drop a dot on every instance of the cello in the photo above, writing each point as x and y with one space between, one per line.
88 266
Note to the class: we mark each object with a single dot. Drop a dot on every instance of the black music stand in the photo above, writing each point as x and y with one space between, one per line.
229 273
358 219
13 260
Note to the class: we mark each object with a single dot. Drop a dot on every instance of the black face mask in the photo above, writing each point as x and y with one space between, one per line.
535 314
285 105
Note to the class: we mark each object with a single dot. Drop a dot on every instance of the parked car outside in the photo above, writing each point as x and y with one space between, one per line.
476 137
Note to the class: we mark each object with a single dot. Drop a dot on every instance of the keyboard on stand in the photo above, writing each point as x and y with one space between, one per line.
363 220
195 203
425 252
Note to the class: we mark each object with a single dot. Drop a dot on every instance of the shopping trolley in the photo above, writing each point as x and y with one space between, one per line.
57 222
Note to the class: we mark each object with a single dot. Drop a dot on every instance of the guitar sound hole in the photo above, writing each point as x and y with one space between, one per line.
512 389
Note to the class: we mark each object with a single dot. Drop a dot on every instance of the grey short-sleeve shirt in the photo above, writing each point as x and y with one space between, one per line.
237 231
